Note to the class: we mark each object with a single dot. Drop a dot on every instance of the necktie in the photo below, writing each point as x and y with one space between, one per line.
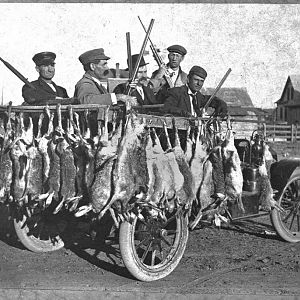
194 108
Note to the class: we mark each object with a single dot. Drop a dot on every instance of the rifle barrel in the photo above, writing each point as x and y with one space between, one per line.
216 90
17 73
156 56
129 54
136 67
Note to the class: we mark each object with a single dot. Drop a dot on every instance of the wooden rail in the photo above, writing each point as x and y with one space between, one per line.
154 116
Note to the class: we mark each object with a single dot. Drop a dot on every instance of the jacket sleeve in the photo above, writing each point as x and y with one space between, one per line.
32 96
171 104
64 93
219 105
87 93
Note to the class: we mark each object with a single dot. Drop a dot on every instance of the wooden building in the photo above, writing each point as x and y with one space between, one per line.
240 106
288 106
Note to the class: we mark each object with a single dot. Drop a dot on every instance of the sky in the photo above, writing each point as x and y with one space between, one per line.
259 42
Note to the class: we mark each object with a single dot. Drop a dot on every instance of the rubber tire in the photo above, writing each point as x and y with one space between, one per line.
281 230
31 242
132 263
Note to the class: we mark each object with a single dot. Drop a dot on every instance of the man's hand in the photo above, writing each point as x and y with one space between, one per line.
132 84
162 71
127 99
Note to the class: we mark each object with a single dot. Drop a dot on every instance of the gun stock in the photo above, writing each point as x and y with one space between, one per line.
17 73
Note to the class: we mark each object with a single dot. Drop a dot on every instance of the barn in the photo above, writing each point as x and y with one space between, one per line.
288 106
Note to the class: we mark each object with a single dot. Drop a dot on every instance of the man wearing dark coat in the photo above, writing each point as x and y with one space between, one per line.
140 90
46 89
187 100
176 77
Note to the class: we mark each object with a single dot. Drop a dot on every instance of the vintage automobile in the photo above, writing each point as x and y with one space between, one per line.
144 171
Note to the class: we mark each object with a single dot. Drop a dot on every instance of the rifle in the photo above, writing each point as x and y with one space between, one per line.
136 67
215 91
18 74
158 58
129 54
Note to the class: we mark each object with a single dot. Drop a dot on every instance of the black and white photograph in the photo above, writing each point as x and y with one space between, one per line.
150 150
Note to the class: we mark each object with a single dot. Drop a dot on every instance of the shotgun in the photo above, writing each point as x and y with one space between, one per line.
136 67
158 58
215 91
129 58
17 73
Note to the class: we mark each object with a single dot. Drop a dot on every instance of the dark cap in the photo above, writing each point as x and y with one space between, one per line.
44 58
134 59
178 49
198 71
92 55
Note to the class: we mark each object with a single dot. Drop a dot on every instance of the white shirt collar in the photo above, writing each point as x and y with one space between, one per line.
96 80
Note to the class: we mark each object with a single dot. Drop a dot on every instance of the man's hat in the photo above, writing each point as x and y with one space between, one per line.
198 71
178 49
44 58
134 59
92 55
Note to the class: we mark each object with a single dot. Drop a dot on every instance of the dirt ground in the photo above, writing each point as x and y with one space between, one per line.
245 258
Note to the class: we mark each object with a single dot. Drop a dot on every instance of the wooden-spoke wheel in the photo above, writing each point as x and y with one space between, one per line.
152 247
287 223
40 230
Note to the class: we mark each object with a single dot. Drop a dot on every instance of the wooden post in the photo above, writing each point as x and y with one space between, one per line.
273 132
292 133
117 70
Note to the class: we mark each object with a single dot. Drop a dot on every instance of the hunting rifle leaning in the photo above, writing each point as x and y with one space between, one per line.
18 74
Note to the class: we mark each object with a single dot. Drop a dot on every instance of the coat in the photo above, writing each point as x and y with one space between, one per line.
160 86
87 91
178 102
149 97
43 92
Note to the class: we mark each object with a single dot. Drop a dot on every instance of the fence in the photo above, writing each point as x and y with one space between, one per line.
282 132
275 132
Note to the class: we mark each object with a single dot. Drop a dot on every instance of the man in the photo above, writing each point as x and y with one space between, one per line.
46 89
187 100
140 90
89 89
170 75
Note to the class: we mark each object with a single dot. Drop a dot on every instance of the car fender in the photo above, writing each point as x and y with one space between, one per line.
282 170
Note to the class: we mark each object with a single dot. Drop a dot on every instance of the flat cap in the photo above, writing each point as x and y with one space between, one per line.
92 55
44 58
178 49
198 71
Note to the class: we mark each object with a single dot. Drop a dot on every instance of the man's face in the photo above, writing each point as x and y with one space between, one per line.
195 82
141 75
175 59
100 69
46 71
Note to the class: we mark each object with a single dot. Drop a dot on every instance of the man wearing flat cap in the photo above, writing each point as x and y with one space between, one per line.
140 90
45 88
88 89
170 75
187 100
